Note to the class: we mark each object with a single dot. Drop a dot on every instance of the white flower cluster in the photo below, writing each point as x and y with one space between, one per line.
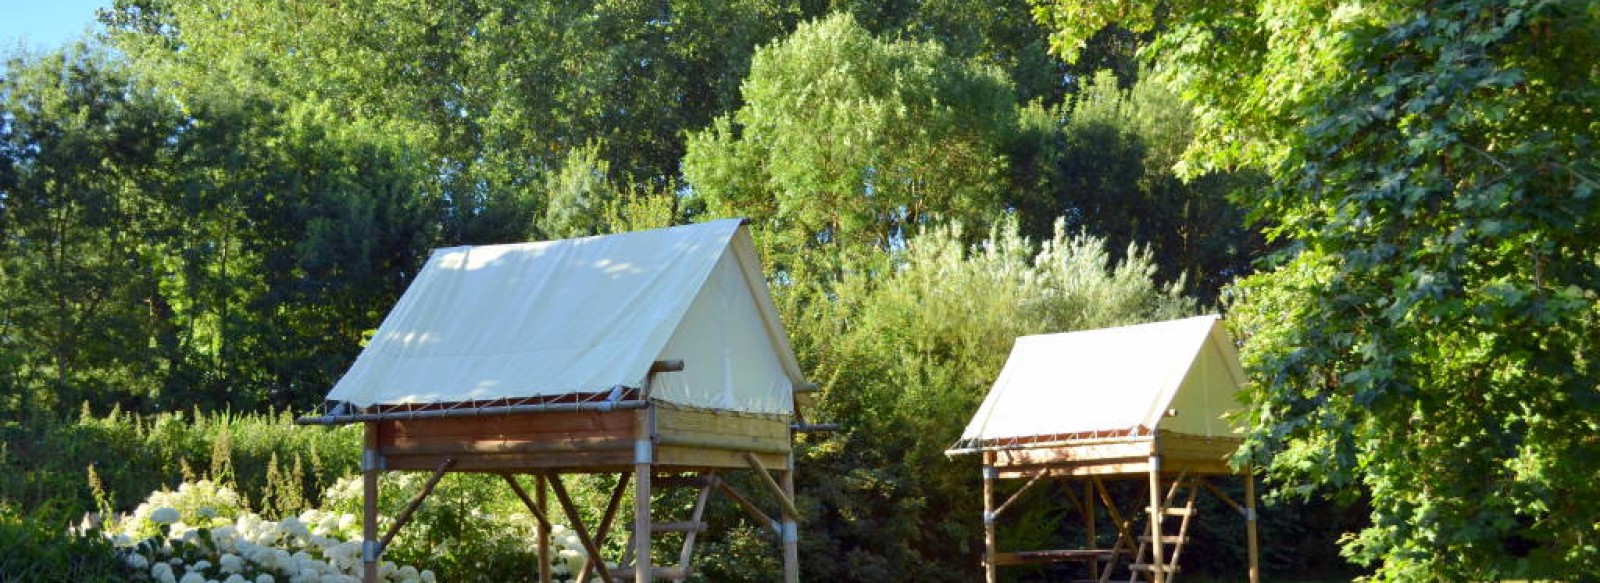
311 548
202 504
201 534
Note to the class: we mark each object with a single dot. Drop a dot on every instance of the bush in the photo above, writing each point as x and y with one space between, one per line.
40 547
110 462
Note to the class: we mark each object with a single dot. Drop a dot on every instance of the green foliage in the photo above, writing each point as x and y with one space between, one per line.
46 462
1107 161
1429 338
154 254
845 139
76 134
495 94
905 345
38 547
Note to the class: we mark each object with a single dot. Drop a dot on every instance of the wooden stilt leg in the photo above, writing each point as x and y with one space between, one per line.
790 534
989 550
369 505
605 524
542 497
1088 526
576 520
1158 567
642 460
1250 523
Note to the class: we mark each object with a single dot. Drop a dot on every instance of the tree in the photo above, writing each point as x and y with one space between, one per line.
1430 335
198 251
496 94
848 140
78 140
1107 161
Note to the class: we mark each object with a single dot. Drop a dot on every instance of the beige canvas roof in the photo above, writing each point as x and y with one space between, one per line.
1179 376
583 316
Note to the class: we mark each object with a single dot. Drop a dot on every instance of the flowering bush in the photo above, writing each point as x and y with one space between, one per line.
202 533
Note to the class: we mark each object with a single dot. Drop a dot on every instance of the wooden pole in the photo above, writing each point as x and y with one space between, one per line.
604 529
643 456
542 496
1088 525
589 546
540 515
989 550
1158 567
790 530
1250 523
405 515
745 503
369 504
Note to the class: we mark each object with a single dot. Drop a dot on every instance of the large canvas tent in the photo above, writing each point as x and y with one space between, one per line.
1147 401
648 353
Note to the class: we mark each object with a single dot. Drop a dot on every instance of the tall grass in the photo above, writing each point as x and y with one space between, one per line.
111 462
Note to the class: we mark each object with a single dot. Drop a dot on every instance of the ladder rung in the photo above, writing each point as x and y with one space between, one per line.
678 527
626 573
1150 568
1046 557
1170 539
1177 511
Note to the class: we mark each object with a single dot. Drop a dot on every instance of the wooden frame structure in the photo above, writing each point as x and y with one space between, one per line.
1146 403
547 359
1178 465
657 446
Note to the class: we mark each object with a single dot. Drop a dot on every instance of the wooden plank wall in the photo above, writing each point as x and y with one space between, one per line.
709 439
585 441
527 440
1120 457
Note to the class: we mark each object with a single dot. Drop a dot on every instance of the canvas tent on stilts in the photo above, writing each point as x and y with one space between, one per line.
654 355
1143 403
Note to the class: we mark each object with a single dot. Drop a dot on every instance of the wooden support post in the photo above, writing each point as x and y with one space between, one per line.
1250 523
1158 572
576 519
542 497
1018 494
643 459
605 520
1125 538
789 511
989 550
541 518
405 515
748 506
1088 526
790 530
370 467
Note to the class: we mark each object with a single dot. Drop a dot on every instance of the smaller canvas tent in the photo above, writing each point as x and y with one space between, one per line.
1146 401
1177 376
656 355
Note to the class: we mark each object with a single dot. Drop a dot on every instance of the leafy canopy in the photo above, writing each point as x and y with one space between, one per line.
1431 334
848 139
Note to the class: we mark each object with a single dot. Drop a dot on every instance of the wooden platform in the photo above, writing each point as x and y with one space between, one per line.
582 441
653 445
1172 468
1118 456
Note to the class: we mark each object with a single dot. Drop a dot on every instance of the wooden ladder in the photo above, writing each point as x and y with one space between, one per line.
689 528
1139 569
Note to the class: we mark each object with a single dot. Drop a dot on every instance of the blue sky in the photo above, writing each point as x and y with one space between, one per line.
44 24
